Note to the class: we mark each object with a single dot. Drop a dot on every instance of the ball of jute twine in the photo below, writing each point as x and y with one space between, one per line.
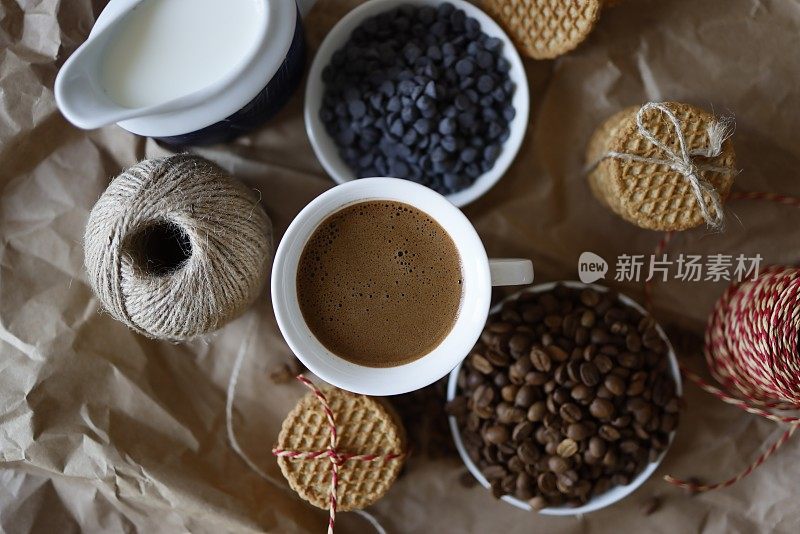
175 247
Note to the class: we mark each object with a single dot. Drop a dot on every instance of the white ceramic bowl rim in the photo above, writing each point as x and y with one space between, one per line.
324 146
616 493
279 26
476 287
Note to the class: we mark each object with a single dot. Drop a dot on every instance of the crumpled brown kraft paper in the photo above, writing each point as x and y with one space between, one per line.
102 430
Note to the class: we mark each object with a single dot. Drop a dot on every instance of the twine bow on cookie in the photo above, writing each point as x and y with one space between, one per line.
682 160
336 457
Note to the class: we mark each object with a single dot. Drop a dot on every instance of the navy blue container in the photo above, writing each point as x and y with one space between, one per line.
275 94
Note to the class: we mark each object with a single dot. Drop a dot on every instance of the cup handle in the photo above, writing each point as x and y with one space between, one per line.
511 272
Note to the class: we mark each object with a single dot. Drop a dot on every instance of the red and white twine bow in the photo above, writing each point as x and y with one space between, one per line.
751 347
336 457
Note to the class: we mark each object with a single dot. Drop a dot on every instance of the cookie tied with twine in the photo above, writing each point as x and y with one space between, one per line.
340 451
175 247
664 166
545 29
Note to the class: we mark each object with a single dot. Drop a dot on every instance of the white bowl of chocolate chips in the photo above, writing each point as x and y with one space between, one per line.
604 448
424 90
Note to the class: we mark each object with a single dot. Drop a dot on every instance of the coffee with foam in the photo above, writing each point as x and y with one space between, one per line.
379 283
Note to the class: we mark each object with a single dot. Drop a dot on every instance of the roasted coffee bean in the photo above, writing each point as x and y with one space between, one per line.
509 483
567 448
590 298
526 396
494 472
498 359
552 405
571 413
561 395
524 486
547 483
643 414
509 392
610 459
633 342
484 412
561 375
540 359
497 490
474 379
619 328
668 423
528 452
581 393
663 391
602 409
500 327
615 384
598 336
507 414
553 322
603 363
532 313
620 480
496 434
578 431
597 447
522 431
537 503
603 393
515 464
621 421
588 319
630 360
608 433
557 464
537 411
574 414
574 371
519 343
636 387
581 336
534 378
590 376
500 380
481 364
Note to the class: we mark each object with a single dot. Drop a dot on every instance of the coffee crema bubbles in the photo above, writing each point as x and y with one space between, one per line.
379 283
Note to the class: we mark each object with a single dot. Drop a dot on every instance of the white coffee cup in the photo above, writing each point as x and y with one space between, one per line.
479 274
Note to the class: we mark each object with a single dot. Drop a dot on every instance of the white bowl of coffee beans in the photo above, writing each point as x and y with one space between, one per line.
569 400
426 90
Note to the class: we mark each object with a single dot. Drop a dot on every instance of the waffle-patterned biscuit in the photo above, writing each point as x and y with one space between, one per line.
545 29
650 195
364 426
